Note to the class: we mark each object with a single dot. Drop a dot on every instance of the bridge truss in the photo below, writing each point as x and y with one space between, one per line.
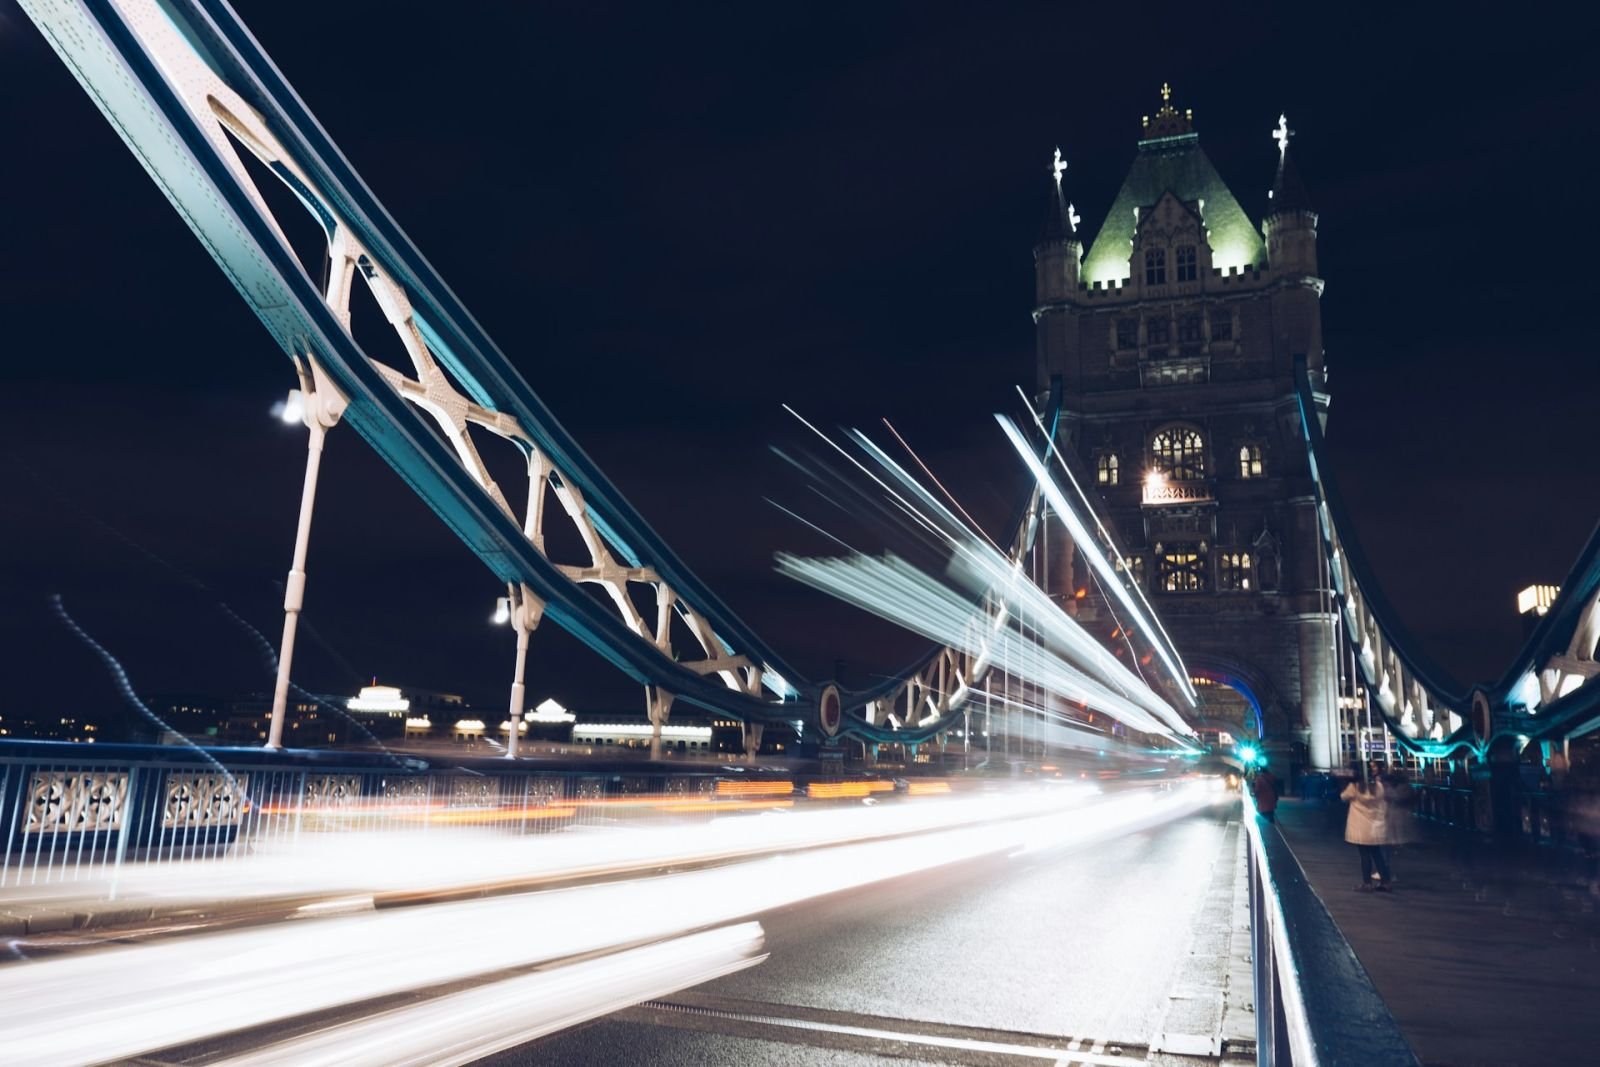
194 96
1547 692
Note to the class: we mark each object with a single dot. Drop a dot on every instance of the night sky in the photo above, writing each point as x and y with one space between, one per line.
675 220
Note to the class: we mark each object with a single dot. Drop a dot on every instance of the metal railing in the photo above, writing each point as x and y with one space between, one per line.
1315 1004
77 812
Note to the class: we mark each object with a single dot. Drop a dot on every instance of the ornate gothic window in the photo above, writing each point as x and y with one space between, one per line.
1133 566
1181 569
1105 469
1158 330
1127 333
1221 326
1155 266
1189 330
1233 571
1179 453
1250 461
1186 262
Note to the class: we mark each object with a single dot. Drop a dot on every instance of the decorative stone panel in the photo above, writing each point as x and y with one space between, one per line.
82 801
201 801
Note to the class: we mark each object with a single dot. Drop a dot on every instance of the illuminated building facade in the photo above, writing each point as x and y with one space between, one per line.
1175 337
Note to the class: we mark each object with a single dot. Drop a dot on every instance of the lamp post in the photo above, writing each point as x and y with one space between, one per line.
523 611
318 404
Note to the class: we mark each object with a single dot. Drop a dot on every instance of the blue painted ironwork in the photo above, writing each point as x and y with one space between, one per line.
1315 1004
1493 710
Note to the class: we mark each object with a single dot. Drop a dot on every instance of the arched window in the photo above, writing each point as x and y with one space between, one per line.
1233 571
1179 453
1181 568
1106 470
1186 263
1250 461
1155 266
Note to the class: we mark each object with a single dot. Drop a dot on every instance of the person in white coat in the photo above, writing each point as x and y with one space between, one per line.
1366 827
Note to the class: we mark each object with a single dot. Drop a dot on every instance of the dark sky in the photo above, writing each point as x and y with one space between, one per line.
673 220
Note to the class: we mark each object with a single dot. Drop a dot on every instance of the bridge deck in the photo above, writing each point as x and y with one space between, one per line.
1485 954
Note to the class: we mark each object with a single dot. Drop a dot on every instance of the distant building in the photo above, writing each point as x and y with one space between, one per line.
192 715
16 726
309 722
550 722
390 711
1533 604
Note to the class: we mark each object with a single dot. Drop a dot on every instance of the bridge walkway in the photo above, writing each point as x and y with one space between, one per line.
1486 954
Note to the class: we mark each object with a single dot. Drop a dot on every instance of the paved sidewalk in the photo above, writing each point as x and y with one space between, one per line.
1487 956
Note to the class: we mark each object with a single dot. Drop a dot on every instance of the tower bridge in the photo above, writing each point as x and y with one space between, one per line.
1180 505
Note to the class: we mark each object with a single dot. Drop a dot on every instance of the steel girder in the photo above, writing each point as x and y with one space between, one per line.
1548 690
188 88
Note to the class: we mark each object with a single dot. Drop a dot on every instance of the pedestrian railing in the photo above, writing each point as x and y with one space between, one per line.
1315 1004
72 812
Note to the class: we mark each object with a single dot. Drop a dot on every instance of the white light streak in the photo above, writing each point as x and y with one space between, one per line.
1097 559
123 1002
1185 686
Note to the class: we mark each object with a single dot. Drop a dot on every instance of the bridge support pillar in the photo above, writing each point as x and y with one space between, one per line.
752 740
1319 690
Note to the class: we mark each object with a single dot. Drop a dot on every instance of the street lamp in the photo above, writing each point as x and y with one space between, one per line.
318 404
523 611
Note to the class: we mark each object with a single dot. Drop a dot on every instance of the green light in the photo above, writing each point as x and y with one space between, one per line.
1247 754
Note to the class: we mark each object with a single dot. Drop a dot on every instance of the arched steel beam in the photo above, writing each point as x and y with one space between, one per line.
188 90
1548 689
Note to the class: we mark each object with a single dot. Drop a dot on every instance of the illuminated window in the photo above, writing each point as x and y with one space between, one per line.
1133 566
1233 571
1155 266
1181 569
1105 469
1221 326
1158 330
1189 329
1186 263
1249 461
1127 333
1179 453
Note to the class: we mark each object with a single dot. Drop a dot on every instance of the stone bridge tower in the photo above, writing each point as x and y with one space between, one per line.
1175 339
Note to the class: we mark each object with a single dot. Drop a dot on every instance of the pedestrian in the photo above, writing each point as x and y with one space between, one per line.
1399 816
1265 791
1365 828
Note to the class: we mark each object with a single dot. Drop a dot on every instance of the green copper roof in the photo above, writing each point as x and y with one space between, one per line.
1175 164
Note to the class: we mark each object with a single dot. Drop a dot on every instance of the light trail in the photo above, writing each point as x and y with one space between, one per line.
1183 677
370 859
129 1001
896 591
1075 666
1096 559
465 1027
971 522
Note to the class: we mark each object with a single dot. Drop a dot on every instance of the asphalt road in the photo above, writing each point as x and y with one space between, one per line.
1102 952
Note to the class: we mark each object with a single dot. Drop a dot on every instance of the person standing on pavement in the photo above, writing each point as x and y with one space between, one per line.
1365 827
1265 791
1399 816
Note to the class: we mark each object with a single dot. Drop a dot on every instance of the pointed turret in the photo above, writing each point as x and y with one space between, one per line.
1290 225
1170 160
1057 256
